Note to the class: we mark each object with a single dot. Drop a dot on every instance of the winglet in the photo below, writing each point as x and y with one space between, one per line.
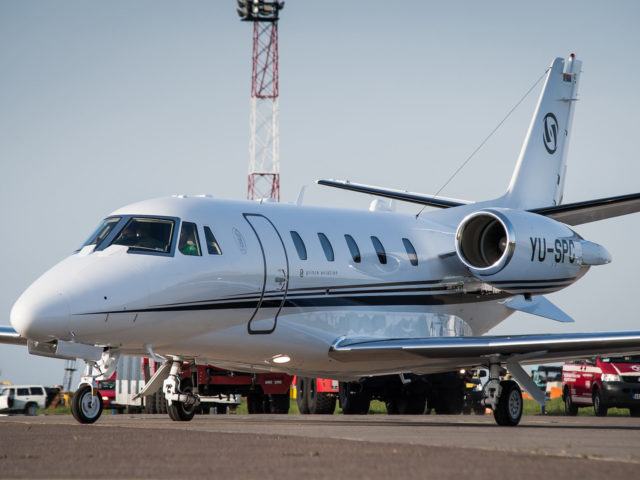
539 306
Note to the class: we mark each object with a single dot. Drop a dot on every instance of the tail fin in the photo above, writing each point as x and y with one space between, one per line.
538 179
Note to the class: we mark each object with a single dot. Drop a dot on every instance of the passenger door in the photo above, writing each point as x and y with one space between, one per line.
276 275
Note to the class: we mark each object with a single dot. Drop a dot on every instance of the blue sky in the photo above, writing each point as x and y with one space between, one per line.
106 103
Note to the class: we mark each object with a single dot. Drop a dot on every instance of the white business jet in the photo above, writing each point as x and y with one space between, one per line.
320 292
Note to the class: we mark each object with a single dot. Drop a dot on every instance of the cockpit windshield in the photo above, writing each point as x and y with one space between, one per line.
150 234
100 233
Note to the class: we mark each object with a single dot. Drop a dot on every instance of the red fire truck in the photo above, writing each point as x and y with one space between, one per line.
603 382
217 388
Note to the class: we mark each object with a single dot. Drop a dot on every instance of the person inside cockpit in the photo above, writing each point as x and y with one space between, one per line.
189 244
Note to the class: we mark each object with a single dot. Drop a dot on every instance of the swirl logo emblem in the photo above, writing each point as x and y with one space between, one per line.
636 368
242 245
550 133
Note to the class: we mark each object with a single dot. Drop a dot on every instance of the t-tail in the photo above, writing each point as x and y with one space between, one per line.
538 179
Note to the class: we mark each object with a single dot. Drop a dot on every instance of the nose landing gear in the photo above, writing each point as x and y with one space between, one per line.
85 406
86 403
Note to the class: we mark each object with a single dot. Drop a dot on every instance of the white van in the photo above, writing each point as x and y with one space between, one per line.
22 398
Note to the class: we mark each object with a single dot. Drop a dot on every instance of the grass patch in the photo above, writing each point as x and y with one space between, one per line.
555 406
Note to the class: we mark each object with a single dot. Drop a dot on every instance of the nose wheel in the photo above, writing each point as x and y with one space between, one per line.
85 406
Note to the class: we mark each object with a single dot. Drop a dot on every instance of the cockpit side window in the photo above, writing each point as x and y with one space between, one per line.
189 243
212 244
146 234
103 230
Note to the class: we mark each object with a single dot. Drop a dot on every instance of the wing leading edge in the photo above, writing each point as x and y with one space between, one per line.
569 213
9 336
475 351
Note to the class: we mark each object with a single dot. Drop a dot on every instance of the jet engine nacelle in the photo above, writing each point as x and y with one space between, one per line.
518 251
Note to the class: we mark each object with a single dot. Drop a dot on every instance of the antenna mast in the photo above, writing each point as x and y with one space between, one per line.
264 142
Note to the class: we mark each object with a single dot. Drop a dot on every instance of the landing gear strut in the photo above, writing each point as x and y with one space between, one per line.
503 397
86 403
181 401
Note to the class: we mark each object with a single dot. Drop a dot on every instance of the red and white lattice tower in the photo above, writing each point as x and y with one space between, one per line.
264 142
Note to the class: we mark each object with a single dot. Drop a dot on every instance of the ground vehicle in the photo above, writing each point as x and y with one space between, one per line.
107 389
22 398
217 388
545 374
402 394
603 382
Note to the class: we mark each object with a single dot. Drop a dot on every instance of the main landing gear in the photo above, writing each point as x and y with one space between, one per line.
181 401
504 397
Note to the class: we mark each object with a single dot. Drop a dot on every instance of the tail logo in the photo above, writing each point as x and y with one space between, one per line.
550 133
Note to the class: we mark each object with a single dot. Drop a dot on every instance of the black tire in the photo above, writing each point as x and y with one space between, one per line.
301 395
570 408
279 403
86 407
30 409
410 403
509 409
318 403
161 402
353 402
392 406
450 402
634 411
599 407
178 411
150 404
255 403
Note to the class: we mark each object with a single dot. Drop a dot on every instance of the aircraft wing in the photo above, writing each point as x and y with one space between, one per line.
475 351
569 213
419 198
592 210
10 336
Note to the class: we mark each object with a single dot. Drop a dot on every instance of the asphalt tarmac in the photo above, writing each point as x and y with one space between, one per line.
308 447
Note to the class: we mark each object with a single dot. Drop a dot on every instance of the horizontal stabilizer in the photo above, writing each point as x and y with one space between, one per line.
592 210
474 351
539 306
421 199
10 336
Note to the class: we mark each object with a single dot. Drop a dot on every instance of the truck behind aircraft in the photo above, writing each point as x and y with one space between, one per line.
602 382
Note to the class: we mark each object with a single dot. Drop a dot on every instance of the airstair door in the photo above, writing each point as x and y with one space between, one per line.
276 275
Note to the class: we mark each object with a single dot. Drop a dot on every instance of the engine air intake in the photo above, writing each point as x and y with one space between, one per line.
483 242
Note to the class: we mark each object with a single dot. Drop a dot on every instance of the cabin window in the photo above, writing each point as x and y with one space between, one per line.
353 248
326 246
377 245
103 230
147 235
189 243
299 244
411 252
212 245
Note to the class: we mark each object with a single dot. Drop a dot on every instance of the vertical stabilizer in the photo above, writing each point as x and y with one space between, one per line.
538 179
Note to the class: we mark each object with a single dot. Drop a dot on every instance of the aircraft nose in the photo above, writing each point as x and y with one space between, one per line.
40 315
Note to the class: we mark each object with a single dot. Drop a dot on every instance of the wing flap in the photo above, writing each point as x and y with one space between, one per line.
474 351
